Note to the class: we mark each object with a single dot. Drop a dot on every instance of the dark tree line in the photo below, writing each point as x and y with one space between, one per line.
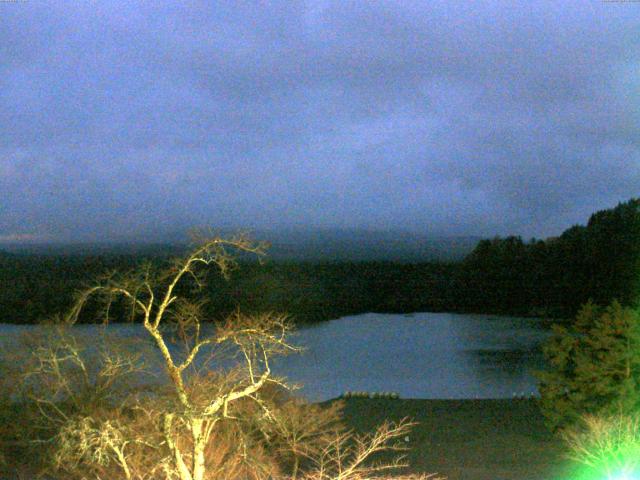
34 287
598 262
554 277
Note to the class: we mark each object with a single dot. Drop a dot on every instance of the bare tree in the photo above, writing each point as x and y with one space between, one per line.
157 299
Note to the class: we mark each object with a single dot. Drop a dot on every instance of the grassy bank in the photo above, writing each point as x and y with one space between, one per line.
471 439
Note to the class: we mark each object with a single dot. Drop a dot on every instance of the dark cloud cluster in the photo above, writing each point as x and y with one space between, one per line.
121 119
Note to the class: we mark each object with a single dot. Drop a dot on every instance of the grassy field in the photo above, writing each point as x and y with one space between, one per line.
471 439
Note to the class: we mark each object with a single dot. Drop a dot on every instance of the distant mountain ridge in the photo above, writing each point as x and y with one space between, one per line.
361 245
290 245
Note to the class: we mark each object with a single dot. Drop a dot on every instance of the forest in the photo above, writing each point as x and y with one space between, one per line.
551 278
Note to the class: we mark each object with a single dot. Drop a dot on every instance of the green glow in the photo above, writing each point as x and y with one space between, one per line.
608 447
626 476
603 473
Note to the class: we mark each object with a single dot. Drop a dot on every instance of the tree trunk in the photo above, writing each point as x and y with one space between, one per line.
181 467
199 443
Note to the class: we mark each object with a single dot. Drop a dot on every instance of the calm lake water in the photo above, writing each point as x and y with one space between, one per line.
420 355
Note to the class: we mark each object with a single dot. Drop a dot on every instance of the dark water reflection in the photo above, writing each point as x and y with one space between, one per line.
422 355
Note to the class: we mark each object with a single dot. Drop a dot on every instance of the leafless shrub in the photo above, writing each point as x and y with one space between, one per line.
298 432
609 444
345 455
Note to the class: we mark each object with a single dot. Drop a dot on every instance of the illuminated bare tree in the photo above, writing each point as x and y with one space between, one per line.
159 299
219 375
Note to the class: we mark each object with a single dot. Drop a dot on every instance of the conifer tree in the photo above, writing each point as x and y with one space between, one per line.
593 366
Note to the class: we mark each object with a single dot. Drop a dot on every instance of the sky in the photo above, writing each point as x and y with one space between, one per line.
133 119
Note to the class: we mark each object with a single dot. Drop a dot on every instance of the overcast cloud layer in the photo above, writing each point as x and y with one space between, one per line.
440 117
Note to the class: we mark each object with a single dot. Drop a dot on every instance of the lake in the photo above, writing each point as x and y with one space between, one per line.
420 355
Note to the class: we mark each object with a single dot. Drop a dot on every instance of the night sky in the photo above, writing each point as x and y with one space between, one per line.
145 117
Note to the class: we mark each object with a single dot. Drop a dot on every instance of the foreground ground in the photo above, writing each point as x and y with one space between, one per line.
462 439
472 439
